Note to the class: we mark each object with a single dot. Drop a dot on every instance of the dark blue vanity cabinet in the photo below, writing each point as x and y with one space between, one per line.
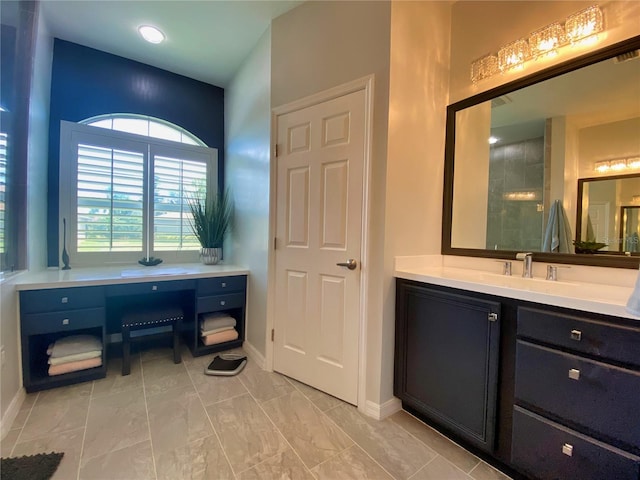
543 392
447 350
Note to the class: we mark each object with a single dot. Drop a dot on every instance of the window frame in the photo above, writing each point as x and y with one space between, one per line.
71 134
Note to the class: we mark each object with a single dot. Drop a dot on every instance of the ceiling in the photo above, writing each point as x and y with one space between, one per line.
206 40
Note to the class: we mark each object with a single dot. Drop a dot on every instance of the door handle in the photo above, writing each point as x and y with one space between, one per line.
351 264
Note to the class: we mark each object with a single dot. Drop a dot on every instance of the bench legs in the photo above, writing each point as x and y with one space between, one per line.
126 351
177 328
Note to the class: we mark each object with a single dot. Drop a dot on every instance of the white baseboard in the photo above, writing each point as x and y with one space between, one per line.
382 411
254 354
12 412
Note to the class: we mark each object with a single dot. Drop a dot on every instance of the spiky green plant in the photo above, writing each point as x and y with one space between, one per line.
211 219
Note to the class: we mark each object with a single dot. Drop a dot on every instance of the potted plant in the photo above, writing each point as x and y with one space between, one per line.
210 222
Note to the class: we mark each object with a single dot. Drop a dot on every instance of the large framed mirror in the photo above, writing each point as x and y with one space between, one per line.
518 159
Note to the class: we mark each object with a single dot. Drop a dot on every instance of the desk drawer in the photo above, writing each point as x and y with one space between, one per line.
599 397
126 289
605 340
220 302
38 323
213 286
541 448
57 299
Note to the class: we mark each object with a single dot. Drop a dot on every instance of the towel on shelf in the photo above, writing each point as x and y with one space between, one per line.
215 330
75 357
75 366
633 304
221 337
74 344
210 321
557 236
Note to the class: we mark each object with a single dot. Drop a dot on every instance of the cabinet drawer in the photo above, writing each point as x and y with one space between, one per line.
56 299
150 287
546 450
605 340
212 286
37 323
220 302
602 398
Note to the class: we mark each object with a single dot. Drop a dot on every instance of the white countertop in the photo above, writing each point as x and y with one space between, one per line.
84 277
590 297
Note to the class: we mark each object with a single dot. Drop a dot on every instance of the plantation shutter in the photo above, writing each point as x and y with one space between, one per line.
110 199
3 187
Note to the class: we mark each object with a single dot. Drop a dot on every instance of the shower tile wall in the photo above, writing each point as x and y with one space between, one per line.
516 168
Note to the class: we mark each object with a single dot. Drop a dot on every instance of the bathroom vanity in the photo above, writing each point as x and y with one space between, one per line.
514 371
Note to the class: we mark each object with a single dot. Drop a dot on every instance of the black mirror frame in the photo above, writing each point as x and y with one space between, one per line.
601 260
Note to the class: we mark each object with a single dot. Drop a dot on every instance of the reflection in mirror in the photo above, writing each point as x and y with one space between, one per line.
514 156
608 210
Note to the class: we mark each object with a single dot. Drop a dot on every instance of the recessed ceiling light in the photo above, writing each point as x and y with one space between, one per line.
493 140
151 34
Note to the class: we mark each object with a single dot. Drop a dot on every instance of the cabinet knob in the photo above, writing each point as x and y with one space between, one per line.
154 287
567 449
493 317
224 285
576 335
222 302
65 321
64 300
574 374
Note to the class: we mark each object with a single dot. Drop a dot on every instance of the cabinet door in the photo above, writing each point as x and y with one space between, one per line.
447 359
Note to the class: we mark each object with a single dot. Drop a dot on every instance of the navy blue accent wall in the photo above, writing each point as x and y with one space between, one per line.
87 82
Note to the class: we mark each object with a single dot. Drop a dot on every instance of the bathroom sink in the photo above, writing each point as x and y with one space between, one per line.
534 284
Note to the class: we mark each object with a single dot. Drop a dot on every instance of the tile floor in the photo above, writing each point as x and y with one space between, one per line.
167 421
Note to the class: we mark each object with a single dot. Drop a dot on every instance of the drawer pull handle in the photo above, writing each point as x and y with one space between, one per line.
224 285
574 374
154 288
576 335
65 321
222 302
64 300
493 317
567 450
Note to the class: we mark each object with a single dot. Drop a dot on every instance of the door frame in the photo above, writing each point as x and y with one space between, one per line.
367 84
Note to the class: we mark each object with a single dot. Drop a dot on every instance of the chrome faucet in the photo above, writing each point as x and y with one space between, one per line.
527 263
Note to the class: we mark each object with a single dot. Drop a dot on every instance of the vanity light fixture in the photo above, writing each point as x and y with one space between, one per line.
617 165
576 29
151 34
520 196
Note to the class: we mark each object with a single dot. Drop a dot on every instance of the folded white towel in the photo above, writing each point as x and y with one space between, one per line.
204 333
74 344
209 322
75 357
633 304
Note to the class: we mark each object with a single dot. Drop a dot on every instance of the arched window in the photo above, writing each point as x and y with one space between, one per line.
125 185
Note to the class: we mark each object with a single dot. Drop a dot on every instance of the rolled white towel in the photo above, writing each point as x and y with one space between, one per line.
74 344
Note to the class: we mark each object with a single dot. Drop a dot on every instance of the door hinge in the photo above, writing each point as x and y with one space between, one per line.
272 334
275 242
493 317
275 150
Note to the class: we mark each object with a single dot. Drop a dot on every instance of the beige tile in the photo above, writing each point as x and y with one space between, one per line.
264 385
21 418
320 399
285 465
8 442
131 463
115 421
63 394
386 442
160 375
211 388
69 443
202 459
114 382
29 400
247 435
440 469
352 464
176 418
437 442
484 471
56 417
313 436
156 354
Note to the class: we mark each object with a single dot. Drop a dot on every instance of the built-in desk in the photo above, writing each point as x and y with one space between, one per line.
56 303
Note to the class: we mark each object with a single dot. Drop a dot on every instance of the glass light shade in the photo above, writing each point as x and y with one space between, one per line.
513 55
633 163
584 24
546 40
602 166
618 164
484 67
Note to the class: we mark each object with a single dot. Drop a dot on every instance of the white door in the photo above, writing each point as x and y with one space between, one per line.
319 195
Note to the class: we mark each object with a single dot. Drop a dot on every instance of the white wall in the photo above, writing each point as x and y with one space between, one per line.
247 139
319 45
